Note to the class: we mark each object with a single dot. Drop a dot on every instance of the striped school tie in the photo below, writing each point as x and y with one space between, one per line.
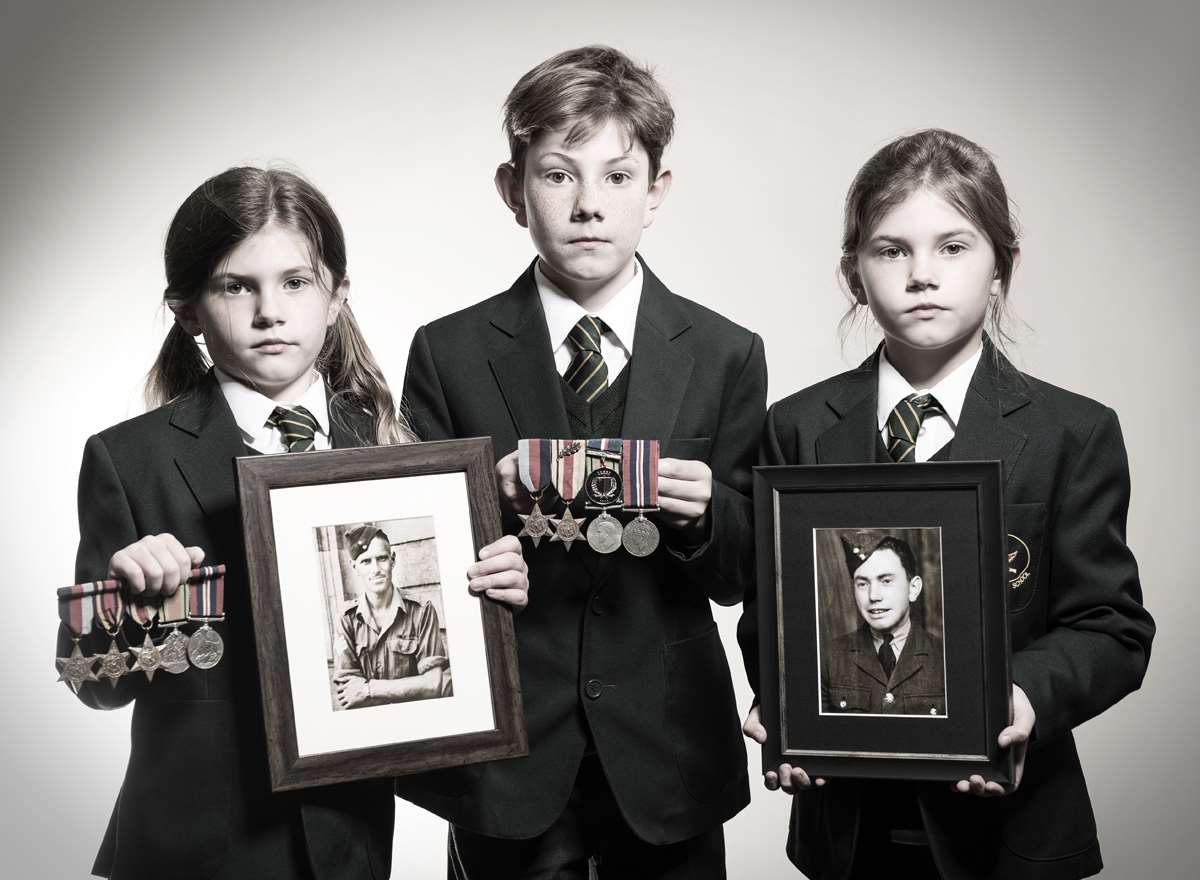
297 425
904 423
587 374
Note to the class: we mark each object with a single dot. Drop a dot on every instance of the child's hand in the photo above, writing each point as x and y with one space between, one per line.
684 490
501 573
788 778
1016 735
155 564
350 689
513 495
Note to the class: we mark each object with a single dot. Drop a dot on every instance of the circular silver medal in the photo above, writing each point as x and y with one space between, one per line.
205 648
640 537
173 652
604 534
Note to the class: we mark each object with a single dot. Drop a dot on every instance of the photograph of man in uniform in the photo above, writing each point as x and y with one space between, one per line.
889 664
387 648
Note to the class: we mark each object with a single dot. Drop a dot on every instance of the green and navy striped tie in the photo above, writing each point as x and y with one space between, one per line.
298 426
904 423
587 374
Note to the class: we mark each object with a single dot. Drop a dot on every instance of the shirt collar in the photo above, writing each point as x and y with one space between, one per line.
363 609
563 313
251 409
951 392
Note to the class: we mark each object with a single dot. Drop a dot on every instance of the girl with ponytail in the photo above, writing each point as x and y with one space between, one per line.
257 282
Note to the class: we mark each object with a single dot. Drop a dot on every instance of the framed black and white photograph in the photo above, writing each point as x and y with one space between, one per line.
882 608
374 658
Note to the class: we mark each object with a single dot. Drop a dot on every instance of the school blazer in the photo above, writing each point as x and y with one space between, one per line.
196 800
625 646
1080 635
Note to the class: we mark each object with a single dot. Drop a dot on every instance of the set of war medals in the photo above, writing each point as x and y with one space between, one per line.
610 473
201 599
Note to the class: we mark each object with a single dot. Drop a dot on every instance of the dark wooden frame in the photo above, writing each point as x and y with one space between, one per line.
257 476
874 753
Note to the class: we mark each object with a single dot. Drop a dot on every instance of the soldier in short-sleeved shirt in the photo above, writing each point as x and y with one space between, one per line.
386 643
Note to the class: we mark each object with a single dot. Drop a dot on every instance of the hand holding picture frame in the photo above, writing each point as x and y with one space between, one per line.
357 561
884 635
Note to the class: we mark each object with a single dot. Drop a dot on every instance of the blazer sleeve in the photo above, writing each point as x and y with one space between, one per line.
424 400
106 524
770 453
723 565
1097 642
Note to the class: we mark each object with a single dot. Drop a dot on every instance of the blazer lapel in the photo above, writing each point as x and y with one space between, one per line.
349 425
982 433
206 462
523 364
659 369
852 439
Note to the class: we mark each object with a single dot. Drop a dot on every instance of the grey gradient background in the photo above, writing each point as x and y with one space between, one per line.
111 112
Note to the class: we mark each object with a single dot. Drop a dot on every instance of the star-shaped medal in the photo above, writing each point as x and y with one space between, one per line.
76 669
534 525
567 529
113 664
146 658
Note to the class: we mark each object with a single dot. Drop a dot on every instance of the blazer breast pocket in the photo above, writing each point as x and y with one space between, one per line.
688 448
1026 527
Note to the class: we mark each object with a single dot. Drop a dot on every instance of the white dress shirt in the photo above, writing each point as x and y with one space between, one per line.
937 430
252 409
619 314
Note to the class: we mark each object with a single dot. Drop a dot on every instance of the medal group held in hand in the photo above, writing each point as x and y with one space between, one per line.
636 754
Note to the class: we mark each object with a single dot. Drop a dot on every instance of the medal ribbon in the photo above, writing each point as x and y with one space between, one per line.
639 474
174 608
76 605
603 452
109 607
534 458
206 593
143 614
569 466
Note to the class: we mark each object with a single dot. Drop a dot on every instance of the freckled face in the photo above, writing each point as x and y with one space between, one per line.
586 204
265 313
883 592
927 273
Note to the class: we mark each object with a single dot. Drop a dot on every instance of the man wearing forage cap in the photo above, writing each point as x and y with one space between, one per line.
388 648
889 665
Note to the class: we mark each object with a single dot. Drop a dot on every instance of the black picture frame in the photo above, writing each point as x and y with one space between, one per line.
372 473
958 506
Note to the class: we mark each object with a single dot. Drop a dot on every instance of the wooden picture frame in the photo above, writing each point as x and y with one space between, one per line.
849 555
301 514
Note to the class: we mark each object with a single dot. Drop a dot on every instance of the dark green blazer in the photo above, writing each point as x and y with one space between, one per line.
624 646
196 800
1080 635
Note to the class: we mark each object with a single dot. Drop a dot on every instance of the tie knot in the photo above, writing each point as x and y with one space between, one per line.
297 425
905 421
926 404
887 638
587 333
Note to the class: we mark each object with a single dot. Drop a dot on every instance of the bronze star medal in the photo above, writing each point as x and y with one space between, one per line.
534 525
567 529
113 664
76 669
146 658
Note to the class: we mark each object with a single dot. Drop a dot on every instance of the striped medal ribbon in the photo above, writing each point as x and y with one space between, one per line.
602 487
534 465
205 602
569 464
639 471
76 610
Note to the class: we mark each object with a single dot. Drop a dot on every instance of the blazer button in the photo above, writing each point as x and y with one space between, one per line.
597 607
933 711
842 704
593 688
888 699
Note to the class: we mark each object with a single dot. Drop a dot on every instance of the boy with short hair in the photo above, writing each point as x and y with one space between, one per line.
635 758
